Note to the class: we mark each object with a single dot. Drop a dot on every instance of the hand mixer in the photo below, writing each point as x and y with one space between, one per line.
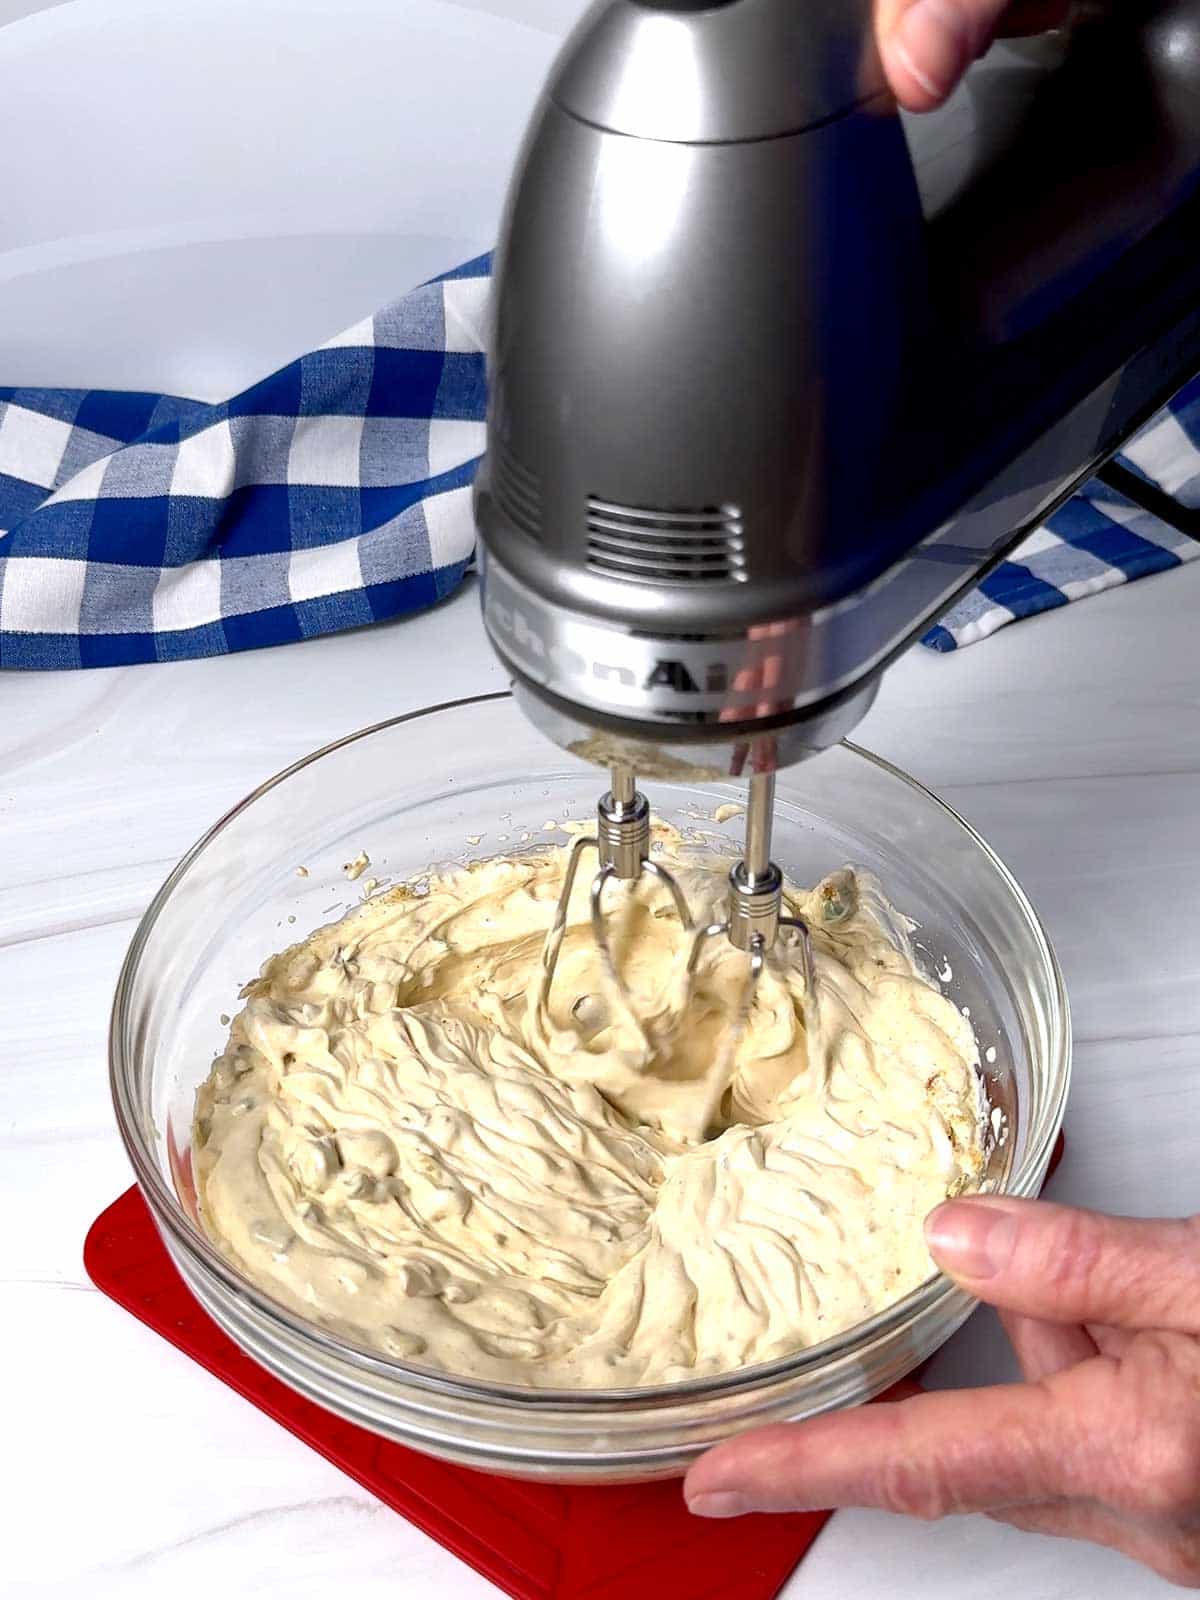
777 374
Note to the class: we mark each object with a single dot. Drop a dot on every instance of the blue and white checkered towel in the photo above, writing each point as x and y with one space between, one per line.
336 493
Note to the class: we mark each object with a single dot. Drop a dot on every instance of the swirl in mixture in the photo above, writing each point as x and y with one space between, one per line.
398 1143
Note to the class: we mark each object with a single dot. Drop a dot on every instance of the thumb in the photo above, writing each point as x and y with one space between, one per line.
927 45
1066 1265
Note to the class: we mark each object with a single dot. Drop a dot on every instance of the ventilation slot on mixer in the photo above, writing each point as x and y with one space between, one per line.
517 491
692 546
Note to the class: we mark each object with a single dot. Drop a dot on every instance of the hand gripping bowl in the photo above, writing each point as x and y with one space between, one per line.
415 791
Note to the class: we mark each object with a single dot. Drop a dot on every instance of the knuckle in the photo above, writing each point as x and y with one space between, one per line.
1077 1254
914 1489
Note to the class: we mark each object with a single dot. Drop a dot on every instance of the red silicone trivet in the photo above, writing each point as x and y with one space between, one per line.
536 1541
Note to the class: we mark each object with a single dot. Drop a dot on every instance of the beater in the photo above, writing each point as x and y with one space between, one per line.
622 845
777 374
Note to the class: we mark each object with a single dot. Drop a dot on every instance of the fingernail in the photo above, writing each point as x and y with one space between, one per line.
726 1503
934 42
971 1238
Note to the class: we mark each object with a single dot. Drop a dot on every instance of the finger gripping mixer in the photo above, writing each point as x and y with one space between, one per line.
777 374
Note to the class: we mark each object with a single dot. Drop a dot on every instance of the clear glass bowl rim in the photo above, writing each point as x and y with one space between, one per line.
171 1219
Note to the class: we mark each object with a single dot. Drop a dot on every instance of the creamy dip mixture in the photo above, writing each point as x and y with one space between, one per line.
399 1143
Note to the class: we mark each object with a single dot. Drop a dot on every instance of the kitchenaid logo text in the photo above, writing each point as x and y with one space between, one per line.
662 674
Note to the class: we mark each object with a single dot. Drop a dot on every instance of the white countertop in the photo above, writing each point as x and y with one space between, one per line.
1072 741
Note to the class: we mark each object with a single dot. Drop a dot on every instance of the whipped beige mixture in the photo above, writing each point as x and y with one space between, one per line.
398 1142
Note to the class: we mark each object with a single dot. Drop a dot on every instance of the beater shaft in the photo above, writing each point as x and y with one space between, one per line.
760 814
624 785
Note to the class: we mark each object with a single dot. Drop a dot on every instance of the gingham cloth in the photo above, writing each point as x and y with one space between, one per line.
336 493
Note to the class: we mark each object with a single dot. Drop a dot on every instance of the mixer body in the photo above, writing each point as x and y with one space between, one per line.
653 357
776 374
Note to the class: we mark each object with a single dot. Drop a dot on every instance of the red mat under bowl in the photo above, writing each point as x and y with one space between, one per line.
536 1541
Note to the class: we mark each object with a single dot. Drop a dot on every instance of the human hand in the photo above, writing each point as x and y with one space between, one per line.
1102 1441
927 45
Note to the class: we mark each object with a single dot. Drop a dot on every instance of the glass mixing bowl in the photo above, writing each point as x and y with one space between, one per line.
475 779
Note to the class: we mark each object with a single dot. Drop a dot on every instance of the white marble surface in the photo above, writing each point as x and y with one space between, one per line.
163 249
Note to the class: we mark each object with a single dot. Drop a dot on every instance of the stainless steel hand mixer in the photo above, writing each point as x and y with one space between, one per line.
777 374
